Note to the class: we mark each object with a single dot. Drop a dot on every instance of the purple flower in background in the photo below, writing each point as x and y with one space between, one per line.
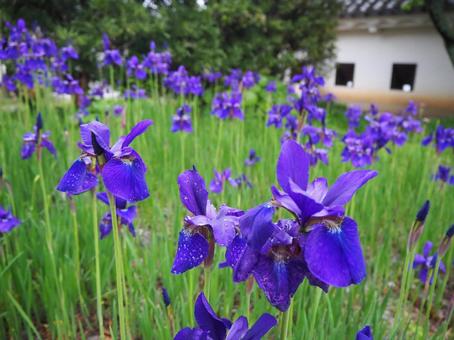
135 93
277 113
359 149
329 97
121 167
217 183
365 334
444 138
426 263
412 108
36 140
181 121
240 181
249 79
66 85
211 326
227 105
8 83
252 158
212 76
69 52
111 56
135 68
353 115
118 110
180 82
7 221
373 110
157 62
233 79
271 86
315 113
205 227
444 175
125 215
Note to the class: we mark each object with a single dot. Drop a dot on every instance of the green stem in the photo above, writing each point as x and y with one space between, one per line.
77 261
285 321
118 266
97 268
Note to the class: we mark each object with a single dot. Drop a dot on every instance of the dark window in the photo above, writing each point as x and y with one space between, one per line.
403 77
344 74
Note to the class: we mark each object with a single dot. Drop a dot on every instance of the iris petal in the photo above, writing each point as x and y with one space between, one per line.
335 256
77 179
126 179
193 193
208 320
192 250
293 163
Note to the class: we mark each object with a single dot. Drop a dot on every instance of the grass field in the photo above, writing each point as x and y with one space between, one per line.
48 294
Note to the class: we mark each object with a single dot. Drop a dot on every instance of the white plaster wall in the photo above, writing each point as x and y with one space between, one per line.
374 54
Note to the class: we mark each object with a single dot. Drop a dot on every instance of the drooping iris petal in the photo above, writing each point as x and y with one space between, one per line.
127 215
105 226
272 278
260 327
193 193
346 185
77 179
234 251
101 132
7 221
192 250
49 146
238 329
137 130
293 163
334 254
245 264
126 179
28 148
208 320
419 260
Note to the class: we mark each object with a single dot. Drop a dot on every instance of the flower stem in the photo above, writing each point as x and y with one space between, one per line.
77 261
118 267
97 268
285 321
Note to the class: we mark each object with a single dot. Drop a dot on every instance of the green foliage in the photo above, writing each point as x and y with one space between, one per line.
263 35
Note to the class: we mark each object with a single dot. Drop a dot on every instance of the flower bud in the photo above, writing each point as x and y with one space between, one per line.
39 122
422 213
418 226
165 297
445 243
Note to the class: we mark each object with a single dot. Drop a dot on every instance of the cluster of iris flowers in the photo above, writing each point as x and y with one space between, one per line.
320 243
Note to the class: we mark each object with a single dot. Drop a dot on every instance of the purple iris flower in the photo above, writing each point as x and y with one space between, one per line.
120 166
277 113
217 183
373 110
271 86
233 79
365 334
111 56
332 249
37 140
125 215
249 79
252 158
211 326
118 110
135 93
412 108
135 68
443 138
227 105
66 85
444 175
272 253
7 221
315 113
353 115
212 76
426 263
329 97
181 121
8 83
240 181
69 52
157 62
204 228
359 149
180 82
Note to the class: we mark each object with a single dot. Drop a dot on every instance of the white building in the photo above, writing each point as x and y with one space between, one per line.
387 56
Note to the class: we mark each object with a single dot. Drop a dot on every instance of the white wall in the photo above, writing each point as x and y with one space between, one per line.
374 53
